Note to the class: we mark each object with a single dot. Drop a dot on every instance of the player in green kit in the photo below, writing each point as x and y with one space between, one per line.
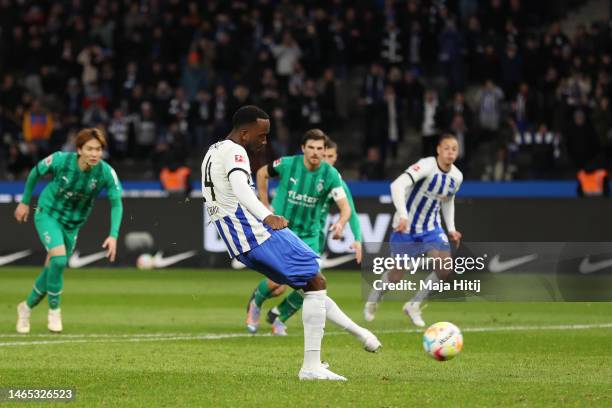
278 315
306 188
63 206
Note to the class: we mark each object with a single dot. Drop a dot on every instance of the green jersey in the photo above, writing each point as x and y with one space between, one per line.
301 194
353 221
69 197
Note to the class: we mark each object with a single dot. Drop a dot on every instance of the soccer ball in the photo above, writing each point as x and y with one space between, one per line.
145 261
443 341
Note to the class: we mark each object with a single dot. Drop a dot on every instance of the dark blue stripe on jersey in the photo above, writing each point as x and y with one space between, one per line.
233 233
220 231
413 194
452 185
422 204
417 213
437 223
246 227
442 185
428 215
433 183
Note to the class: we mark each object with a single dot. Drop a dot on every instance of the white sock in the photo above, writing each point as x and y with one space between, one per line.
377 294
313 318
336 315
422 294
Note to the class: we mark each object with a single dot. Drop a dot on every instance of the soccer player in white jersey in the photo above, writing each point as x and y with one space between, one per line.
425 189
262 241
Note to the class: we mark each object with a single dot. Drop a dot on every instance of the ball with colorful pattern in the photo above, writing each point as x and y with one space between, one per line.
442 341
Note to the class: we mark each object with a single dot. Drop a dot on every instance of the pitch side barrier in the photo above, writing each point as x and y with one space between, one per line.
177 233
10 191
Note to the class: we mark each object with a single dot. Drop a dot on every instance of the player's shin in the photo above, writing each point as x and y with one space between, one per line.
423 293
337 316
39 290
262 292
55 279
291 304
313 318
376 295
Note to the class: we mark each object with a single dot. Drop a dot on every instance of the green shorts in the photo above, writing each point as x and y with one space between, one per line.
313 241
53 234
322 239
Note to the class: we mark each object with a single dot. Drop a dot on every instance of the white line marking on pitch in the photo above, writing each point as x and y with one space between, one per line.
150 337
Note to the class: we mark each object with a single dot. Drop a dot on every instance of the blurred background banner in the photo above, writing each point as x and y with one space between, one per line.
177 231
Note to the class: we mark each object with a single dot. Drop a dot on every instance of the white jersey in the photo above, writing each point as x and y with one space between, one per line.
431 187
240 230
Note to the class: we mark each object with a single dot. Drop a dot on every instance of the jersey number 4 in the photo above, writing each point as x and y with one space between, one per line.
208 180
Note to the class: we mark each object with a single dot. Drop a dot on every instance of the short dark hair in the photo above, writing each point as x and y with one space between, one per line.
329 143
246 115
447 135
313 134
85 135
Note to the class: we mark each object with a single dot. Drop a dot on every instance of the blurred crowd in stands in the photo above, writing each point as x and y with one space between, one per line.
162 78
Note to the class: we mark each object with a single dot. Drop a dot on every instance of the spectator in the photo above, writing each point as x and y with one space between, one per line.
429 122
327 91
310 106
602 121
458 107
524 108
372 168
175 179
593 182
372 99
38 126
287 54
200 119
451 56
512 69
392 52
489 110
393 124
220 113
118 131
145 130
581 140
18 162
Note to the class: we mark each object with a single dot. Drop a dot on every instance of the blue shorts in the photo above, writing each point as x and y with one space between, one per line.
284 258
417 244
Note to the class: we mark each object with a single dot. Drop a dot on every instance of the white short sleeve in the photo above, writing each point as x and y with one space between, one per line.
422 169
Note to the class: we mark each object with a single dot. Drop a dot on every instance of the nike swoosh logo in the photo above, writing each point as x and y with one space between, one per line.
496 265
236 264
7 259
76 261
160 262
586 266
327 263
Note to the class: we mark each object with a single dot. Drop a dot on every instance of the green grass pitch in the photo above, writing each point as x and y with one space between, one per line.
176 338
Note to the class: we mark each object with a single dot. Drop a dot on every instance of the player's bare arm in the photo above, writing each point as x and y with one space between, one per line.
398 194
110 244
22 212
263 176
345 214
